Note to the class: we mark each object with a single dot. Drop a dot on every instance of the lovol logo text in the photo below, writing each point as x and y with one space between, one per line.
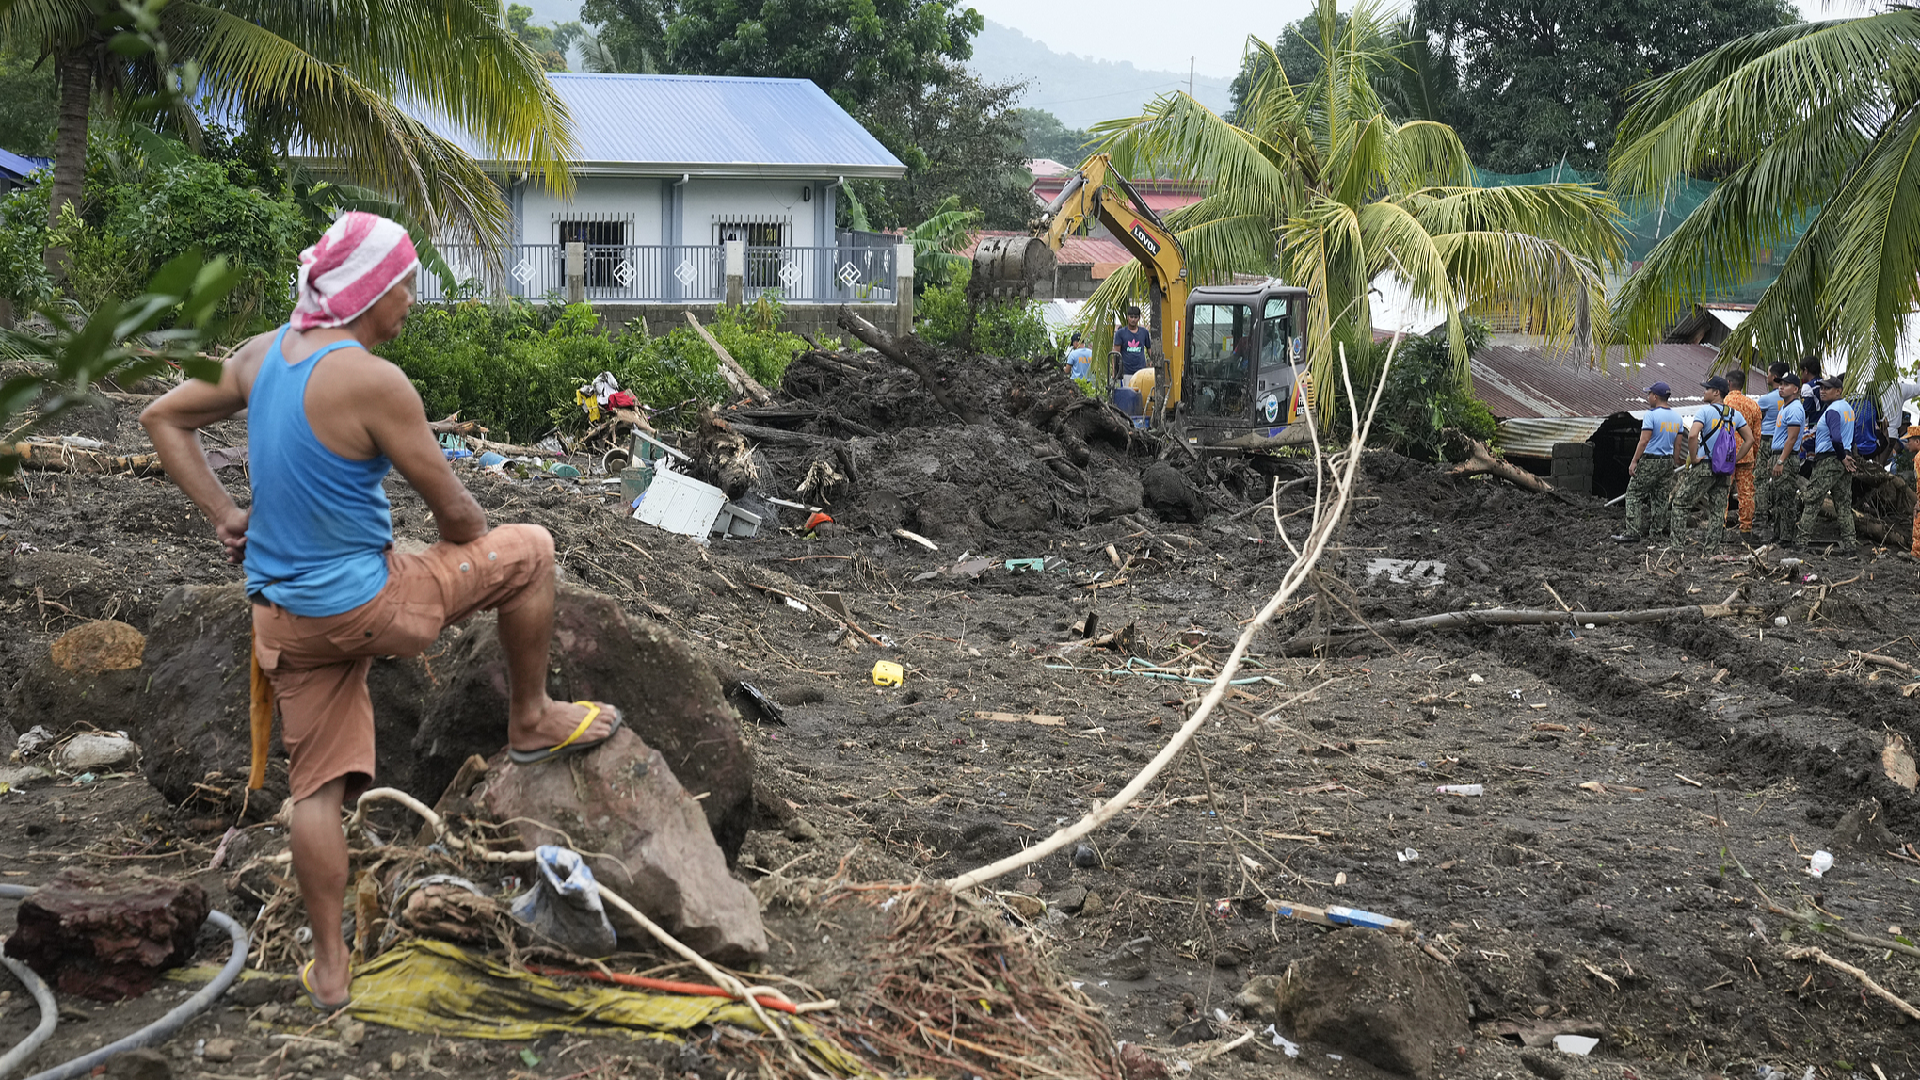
1146 241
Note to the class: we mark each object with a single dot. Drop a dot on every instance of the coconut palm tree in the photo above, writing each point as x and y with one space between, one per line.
326 78
1814 125
1316 185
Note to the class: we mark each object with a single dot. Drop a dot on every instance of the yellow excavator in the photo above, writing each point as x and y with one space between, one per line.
1225 357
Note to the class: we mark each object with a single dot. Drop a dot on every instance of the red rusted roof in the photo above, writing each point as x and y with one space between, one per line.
1518 382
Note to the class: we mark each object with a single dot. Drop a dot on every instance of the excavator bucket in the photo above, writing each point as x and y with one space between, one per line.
1012 266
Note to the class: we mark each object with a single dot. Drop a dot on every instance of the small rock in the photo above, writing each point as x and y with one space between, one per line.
19 776
104 645
1085 857
1130 962
801 831
219 1051
396 1061
146 1064
1863 829
1137 1064
1027 907
97 753
353 1033
1198 1030
1226 958
1031 886
1070 899
1093 906
253 993
270 1013
1259 1000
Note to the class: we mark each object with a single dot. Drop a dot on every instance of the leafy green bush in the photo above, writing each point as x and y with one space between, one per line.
147 200
1008 328
1425 395
514 367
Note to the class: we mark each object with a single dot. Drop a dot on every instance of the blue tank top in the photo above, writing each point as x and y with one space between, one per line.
321 524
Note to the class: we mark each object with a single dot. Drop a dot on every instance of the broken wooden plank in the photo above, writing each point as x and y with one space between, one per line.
1011 718
737 376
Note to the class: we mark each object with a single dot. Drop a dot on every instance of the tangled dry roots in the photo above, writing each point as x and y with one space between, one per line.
956 991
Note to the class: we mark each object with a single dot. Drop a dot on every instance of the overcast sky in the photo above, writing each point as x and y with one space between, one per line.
1158 36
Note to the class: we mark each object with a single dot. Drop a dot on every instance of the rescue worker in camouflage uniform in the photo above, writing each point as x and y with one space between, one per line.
1651 468
1781 496
1833 467
1912 441
1697 479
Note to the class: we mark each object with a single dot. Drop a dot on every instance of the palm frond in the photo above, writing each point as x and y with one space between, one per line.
1732 103
1423 153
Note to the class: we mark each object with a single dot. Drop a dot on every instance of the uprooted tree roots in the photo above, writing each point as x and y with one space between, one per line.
957 990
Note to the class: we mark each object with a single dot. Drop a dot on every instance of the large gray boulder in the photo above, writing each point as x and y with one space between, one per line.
643 836
667 695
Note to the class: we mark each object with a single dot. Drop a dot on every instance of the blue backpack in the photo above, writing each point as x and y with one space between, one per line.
1865 419
1721 445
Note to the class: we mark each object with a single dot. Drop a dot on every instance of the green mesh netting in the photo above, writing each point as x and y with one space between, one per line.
1648 221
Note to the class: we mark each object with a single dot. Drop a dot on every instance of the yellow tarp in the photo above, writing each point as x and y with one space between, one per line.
435 988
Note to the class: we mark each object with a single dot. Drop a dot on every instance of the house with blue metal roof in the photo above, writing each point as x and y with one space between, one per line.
672 167
16 168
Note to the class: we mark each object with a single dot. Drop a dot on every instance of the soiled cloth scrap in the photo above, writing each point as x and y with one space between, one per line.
435 988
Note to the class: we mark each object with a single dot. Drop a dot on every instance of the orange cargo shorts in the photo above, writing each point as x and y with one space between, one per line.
318 666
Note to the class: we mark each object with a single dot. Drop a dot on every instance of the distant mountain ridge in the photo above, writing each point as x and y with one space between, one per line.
1080 90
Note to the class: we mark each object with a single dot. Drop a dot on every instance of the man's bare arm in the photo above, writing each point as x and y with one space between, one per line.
397 420
173 423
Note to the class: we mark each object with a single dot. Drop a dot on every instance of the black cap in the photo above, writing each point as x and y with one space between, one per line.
1716 383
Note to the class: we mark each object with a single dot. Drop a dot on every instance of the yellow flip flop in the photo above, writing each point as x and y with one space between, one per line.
313 996
570 745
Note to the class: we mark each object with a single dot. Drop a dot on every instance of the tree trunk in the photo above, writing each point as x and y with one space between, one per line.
69 148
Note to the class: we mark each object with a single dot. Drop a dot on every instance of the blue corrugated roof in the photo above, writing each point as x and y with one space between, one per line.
19 166
712 124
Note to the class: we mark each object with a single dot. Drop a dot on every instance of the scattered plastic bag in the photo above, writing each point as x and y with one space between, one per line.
564 905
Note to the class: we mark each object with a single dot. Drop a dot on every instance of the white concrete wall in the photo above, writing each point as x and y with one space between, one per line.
752 200
595 196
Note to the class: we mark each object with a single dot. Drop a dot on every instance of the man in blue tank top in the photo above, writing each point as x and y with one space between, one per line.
326 421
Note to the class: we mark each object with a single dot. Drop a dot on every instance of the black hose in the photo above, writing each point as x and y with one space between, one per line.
165 1027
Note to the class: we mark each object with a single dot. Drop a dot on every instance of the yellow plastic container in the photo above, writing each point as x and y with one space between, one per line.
888 673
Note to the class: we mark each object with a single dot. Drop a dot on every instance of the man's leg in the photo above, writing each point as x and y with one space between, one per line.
1843 507
534 720
1817 488
1743 491
320 864
1916 516
1718 490
1686 496
1661 515
1637 506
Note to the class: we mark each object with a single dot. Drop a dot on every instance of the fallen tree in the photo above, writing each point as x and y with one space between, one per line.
1454 620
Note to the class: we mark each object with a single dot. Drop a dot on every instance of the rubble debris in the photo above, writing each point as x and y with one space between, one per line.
107 935
643 836
1378 997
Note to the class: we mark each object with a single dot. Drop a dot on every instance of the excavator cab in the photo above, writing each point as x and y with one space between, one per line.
1245 346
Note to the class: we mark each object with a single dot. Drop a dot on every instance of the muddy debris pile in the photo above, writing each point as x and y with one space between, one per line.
955 447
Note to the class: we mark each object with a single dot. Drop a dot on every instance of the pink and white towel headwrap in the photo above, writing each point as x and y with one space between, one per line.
354 264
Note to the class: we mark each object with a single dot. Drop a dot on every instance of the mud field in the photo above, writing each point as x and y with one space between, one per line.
1652 792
